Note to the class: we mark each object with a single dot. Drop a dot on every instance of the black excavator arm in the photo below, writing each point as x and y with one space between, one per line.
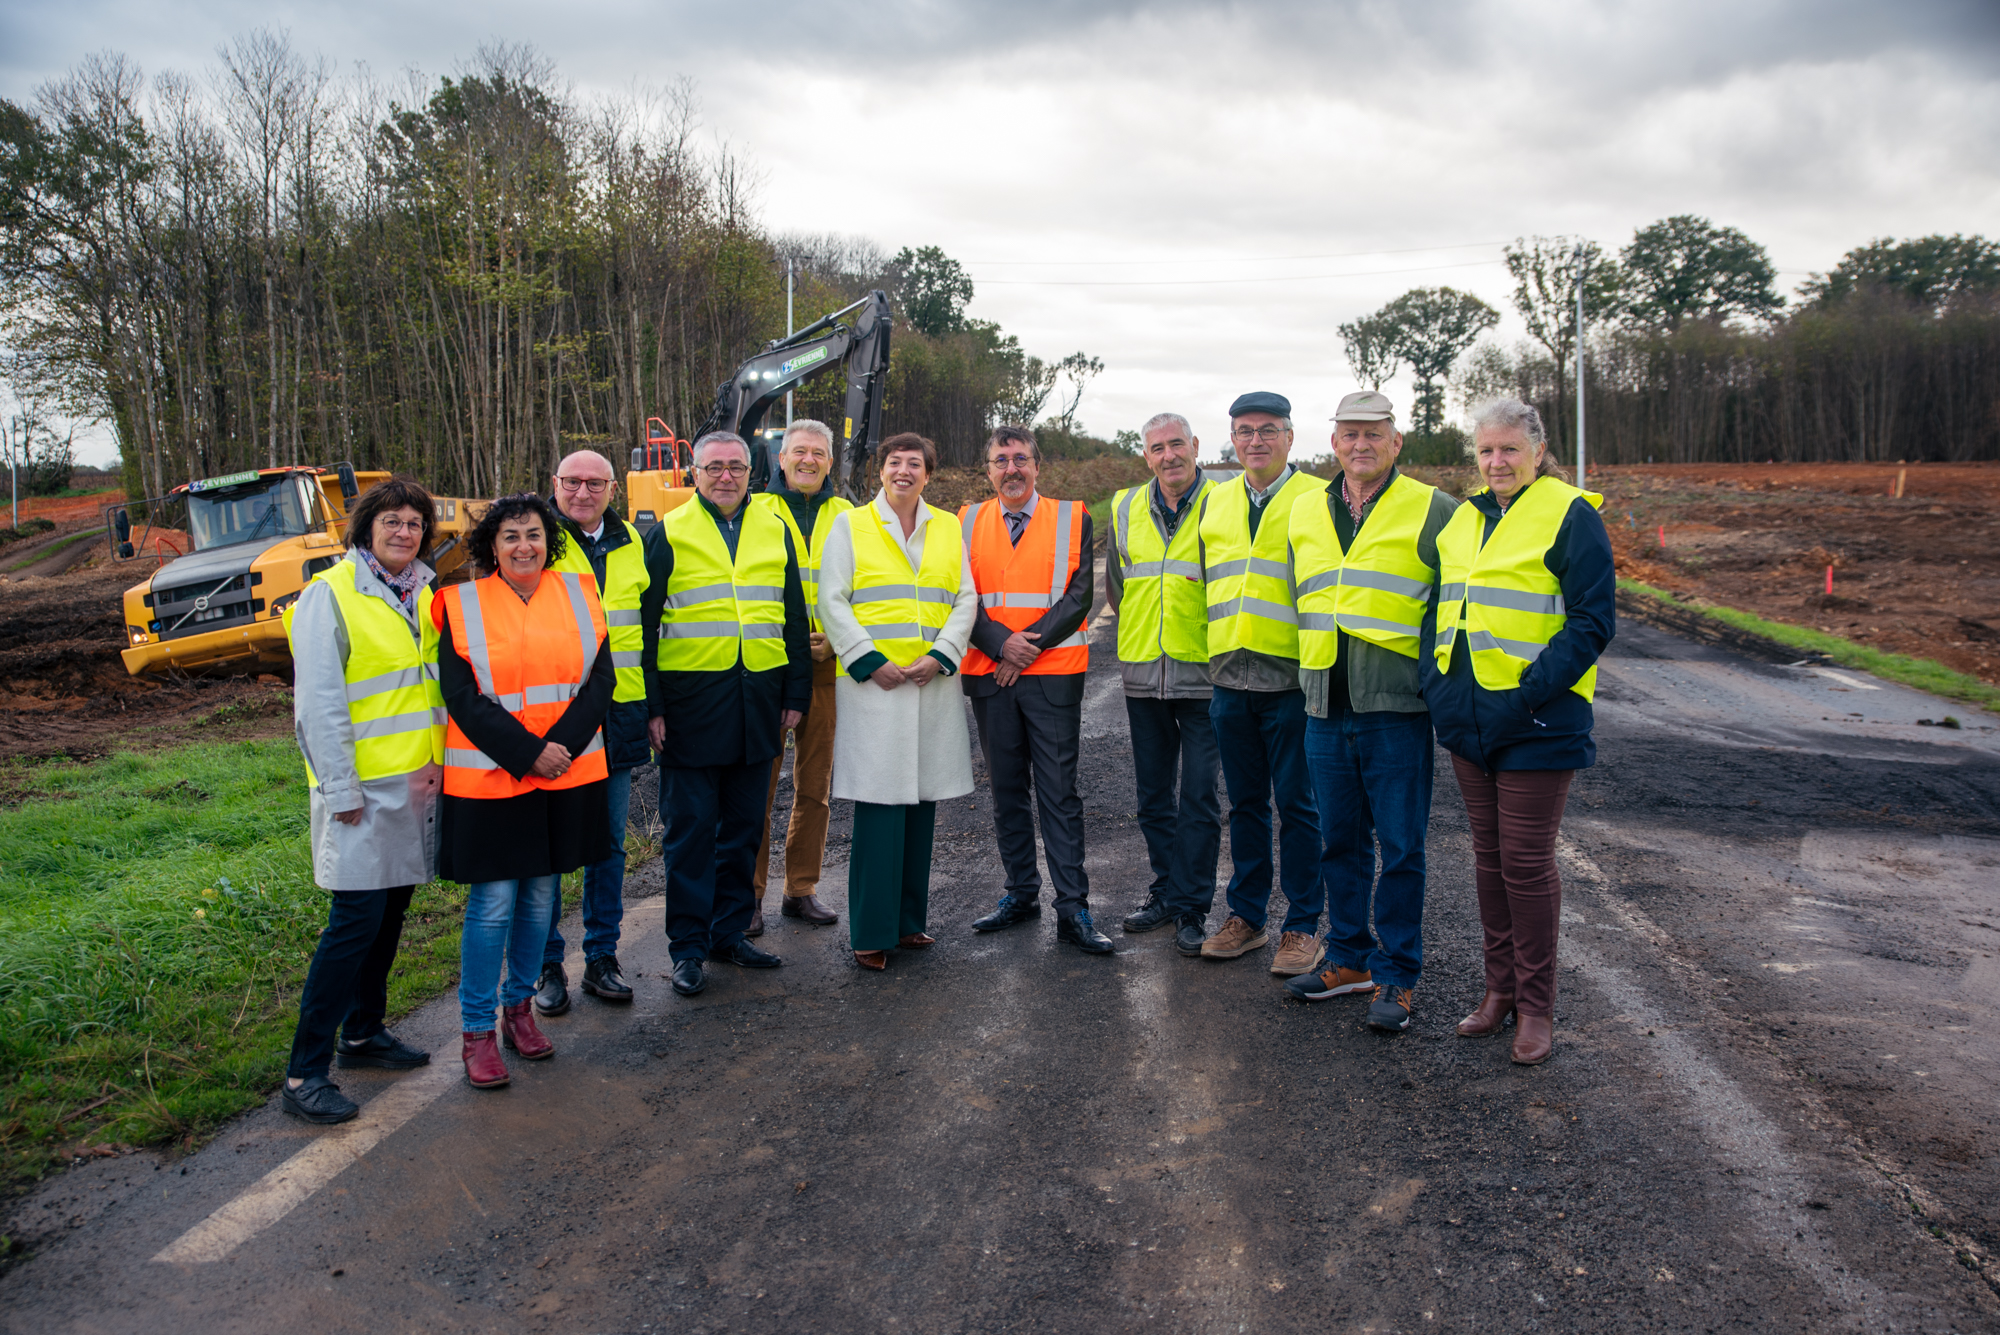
855 338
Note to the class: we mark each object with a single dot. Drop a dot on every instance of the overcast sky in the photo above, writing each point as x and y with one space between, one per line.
1200 193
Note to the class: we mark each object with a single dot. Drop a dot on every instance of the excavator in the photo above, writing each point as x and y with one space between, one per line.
854 338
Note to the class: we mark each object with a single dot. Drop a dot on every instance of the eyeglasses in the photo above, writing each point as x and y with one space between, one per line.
725 470
1010 461
594 485
1267 433
400 525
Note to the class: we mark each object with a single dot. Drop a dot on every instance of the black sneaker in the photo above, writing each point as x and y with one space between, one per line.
552 990
1189 933
382 1050
602 979
1390 1010
1153 913
318 1099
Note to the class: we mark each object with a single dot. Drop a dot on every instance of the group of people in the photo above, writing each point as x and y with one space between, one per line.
1306 639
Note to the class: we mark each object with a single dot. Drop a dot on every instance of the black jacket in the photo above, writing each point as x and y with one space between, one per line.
731 716
1055 625
1542 723
625 726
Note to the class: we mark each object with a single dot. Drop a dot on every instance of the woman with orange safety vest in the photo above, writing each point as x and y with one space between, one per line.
527 680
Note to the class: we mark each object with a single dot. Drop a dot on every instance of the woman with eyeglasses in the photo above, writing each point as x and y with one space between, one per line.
527 678
367 711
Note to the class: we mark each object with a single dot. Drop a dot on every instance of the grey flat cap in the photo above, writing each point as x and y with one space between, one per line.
1261 401
1365 405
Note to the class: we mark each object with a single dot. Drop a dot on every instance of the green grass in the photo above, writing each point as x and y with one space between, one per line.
1923 673
157 915
43 554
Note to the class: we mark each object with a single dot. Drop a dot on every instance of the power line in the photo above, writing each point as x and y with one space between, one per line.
1248 259
1208 282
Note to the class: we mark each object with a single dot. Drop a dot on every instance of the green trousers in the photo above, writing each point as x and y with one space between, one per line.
889 873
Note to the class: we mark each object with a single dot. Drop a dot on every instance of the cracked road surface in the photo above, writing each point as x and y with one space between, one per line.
1771 1106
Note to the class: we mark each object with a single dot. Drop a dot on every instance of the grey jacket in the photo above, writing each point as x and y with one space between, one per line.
396 842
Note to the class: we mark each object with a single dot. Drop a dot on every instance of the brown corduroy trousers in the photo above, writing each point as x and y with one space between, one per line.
812 781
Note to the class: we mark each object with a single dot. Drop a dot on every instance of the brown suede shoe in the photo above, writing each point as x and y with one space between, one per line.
918 941
808 908
1488 1019
756 927
521 1034
876 960
1297 953
1534 1039
1235 938
483 1066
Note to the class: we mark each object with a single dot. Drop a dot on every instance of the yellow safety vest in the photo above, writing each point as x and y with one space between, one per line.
718 609
902 617
808 551
394 704
1250 583
1500 596
1162 608
624 584
1377 592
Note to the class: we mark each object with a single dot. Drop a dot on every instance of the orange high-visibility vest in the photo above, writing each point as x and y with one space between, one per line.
1017 585
530 658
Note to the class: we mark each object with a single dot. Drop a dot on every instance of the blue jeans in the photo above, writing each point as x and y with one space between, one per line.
1372 775
1173 739
603 885
504 921
1261 738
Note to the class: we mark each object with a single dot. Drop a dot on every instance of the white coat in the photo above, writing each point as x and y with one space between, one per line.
909 745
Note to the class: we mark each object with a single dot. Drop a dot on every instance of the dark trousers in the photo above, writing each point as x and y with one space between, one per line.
1173 761
1372 783
1020 733
1515 817
889 873
1261 737
347 987
714 816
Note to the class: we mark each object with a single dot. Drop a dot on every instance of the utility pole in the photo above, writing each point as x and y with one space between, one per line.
788 334
1582 264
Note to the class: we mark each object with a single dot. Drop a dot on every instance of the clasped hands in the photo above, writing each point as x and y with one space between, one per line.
1017 654
919 673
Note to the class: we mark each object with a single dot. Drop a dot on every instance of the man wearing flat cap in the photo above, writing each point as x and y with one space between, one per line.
1257 708
1364 569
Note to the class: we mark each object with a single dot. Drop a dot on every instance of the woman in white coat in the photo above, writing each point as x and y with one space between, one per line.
897 601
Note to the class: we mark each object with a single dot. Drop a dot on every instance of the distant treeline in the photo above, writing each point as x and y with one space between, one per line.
463 279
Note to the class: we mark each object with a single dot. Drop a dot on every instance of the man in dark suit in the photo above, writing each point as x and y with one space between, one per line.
728 669
1031 561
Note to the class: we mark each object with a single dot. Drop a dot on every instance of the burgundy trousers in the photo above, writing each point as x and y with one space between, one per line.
1515 815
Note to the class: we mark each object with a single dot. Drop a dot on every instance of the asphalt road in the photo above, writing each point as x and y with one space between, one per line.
1771 1106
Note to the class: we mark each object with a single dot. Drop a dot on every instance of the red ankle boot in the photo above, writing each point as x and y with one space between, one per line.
483 1066
520 1033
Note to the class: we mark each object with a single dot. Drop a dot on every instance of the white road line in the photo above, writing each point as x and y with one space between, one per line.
1771 1187
294 1181
1846 679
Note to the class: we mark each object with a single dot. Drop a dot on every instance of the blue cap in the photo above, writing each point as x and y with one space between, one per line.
1261 401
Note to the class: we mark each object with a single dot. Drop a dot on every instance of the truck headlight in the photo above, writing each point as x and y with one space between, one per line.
137 633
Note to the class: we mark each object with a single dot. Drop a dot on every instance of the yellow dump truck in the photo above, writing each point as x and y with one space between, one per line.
253 540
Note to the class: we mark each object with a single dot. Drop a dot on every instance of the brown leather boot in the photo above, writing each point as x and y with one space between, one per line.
483 1066
756 927
1534 1038
521 1034
1492 1013
810 909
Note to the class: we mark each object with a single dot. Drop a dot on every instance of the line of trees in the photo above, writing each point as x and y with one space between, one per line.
463 279
1694 356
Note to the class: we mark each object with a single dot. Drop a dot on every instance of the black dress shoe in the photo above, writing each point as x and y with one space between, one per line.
1154 913
1076 929
319 1100
1012 911
809 908
746 956
756 927
690 977
602 979
552 990
1189 934
382 1049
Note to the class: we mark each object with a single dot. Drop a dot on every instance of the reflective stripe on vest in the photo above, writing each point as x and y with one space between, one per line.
624 585
531 659
718 609
1377 591
1499 595
902 609
1249 581
1162 610
1017 584
394 708
807 550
